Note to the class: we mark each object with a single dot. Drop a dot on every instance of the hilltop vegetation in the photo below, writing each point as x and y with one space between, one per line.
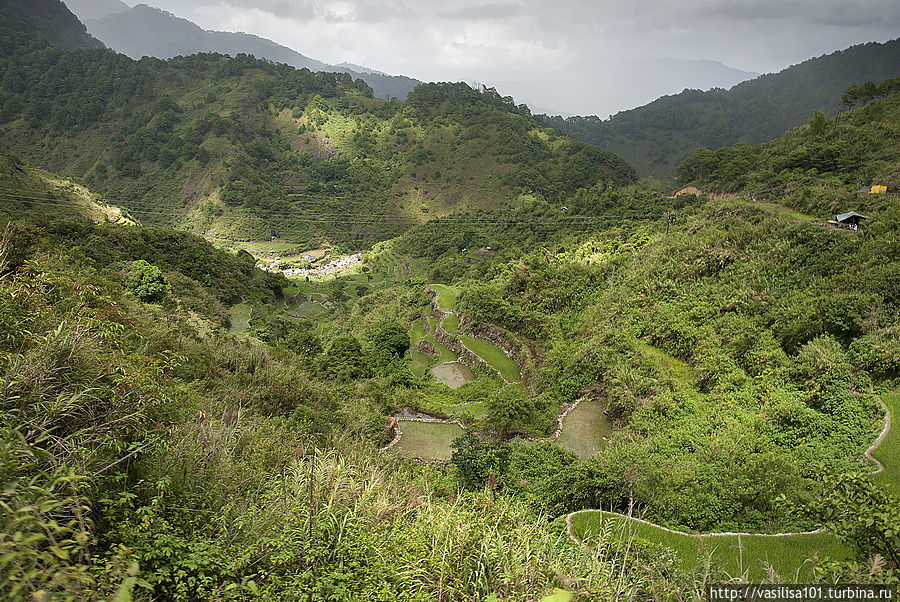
239 148
655 137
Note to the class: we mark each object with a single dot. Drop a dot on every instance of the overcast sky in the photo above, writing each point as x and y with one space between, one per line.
504 40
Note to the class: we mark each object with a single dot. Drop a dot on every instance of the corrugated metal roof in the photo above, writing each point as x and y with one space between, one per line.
850 214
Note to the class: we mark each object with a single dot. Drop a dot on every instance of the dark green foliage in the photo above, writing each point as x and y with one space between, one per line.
512 411
479 462
47 20
861 514
229 276
391 338
869 91
344 359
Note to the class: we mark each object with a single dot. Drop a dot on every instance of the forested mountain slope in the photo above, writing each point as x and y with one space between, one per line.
148 31
240 148
815 168
47 20
655 137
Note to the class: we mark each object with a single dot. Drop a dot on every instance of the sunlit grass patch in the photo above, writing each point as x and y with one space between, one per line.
494 357
447 296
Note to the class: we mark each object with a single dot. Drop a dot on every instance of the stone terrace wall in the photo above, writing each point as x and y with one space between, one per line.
511 345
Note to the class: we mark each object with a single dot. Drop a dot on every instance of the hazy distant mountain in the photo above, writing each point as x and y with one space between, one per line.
147 31
603 86
49 20
655 137
96 9
358 68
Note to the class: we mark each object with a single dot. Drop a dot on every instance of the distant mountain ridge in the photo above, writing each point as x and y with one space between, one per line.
148 31
655 137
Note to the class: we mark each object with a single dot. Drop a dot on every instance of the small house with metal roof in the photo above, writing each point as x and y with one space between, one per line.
851 220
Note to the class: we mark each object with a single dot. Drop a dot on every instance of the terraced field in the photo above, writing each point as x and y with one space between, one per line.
494 356
426 440
737 555
446 296
749 555
239 317
450 324
888 452
585 429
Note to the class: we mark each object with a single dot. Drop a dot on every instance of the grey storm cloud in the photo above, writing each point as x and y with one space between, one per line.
483 11
578 56
306 10
576 13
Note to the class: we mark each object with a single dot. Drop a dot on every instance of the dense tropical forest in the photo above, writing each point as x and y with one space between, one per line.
654 138
557 394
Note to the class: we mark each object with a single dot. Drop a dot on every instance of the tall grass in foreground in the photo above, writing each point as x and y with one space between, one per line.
349 517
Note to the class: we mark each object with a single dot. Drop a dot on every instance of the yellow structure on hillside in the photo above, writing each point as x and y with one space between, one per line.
878 189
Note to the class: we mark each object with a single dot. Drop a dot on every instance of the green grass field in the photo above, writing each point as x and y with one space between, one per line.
670 367
476 410
494 356
418 333
888 453
450 324
447 296
736 555
308 309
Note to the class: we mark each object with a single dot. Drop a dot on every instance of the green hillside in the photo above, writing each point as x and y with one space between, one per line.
816 168
655 137
723 344
238 148
35 194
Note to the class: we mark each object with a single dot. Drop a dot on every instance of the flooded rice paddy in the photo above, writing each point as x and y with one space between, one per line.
452 374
